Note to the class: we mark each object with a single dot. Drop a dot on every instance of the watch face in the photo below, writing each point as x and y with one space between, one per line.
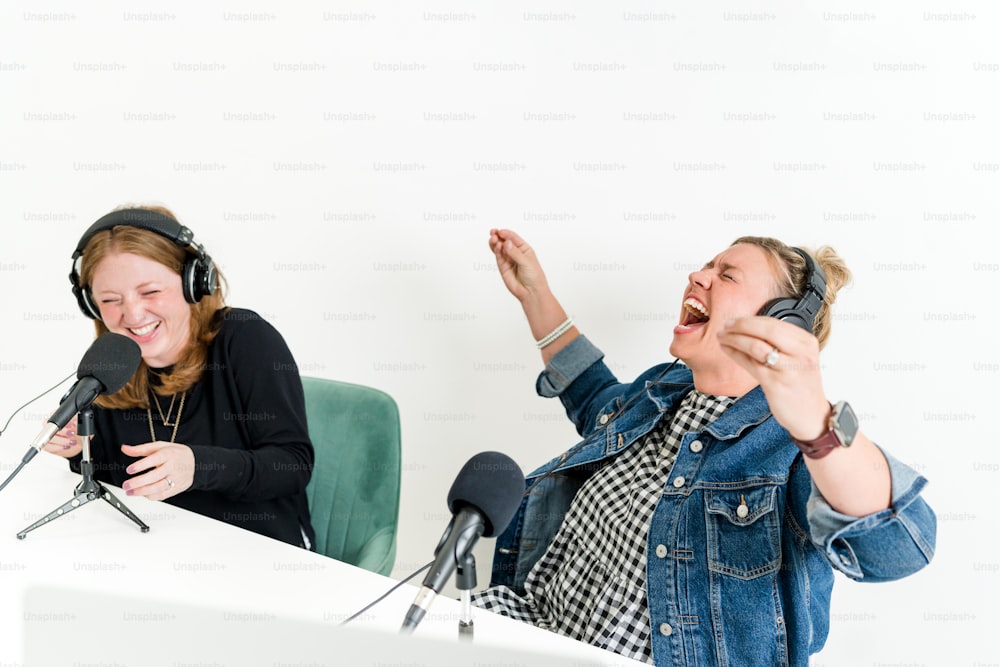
845 423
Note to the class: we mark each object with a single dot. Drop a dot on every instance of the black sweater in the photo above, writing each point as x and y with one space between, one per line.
245 421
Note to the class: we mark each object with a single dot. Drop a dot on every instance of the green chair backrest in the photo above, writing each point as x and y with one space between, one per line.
354 489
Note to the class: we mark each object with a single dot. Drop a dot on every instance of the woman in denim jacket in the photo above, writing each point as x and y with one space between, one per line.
700 520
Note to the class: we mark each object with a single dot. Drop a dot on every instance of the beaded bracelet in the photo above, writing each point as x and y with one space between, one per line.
555 333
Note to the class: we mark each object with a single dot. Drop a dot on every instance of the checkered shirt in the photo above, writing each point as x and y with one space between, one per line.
591 582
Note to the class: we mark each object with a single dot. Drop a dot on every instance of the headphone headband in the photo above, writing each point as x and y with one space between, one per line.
198 275
142 218
816 281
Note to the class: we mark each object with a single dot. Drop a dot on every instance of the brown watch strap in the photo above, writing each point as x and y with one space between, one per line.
821 446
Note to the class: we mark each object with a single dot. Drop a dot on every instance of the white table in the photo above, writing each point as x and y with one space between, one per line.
91 588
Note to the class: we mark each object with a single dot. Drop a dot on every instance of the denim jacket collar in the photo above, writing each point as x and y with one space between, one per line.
746 412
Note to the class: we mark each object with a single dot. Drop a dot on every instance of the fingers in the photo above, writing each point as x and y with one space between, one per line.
518 269
495 241
137 485
144 449
784 359
756 337
165 472
154 485
750 351
507 243
154 477
516 254
503 235
64 449
737 340
65 442
145 463
772 351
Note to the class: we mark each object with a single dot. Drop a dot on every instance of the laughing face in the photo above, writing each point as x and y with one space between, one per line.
736 283
142 299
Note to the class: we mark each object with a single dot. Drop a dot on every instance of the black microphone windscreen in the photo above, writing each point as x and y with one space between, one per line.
112 359
493 484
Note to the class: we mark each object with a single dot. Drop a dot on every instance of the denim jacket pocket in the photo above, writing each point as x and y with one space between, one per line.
744 531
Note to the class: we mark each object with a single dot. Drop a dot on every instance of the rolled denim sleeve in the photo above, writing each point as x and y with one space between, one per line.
567 365
884 546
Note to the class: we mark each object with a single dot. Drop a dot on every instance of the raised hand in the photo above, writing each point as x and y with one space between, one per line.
522 274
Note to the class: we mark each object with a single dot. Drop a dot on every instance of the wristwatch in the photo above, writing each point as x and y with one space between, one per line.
842 426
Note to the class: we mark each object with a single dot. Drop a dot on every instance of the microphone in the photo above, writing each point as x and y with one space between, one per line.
482 500
106 366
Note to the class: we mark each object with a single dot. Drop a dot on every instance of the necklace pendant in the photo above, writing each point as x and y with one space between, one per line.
166 420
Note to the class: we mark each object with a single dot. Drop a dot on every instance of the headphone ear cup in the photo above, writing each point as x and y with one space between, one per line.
800 311
86 303
208 279
188 280
774 307
198 279
787 310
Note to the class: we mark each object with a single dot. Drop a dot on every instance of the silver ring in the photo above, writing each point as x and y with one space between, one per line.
170 482
772 358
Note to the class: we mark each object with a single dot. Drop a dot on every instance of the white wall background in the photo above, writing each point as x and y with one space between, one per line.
343 162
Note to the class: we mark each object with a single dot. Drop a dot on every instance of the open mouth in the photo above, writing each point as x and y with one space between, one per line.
694 313
144 331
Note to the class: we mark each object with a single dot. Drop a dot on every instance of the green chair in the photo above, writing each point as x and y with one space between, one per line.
354 490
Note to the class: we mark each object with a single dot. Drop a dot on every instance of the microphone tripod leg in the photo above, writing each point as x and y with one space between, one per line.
121 507
88 489
79 500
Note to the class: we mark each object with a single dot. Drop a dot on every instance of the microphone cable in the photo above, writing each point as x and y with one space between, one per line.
5 426
33 400
385 595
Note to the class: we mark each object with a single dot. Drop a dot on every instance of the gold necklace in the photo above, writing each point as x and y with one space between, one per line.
177 420
170 409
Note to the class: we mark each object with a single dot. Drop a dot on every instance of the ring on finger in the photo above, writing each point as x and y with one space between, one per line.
170 482
772 358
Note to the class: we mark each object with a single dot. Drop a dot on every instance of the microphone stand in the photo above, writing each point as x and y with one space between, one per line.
89 488
465 581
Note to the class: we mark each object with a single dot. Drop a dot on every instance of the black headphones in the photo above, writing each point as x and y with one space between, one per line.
802 310
198 275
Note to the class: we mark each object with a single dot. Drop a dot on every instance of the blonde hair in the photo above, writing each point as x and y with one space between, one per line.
204 321
793 279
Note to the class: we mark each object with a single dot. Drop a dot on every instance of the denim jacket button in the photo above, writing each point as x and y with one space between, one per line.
679 482
696 446
666 630
661 551
603 419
